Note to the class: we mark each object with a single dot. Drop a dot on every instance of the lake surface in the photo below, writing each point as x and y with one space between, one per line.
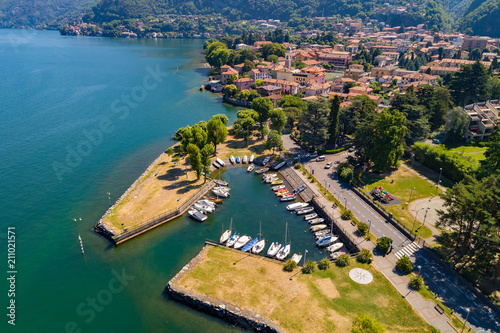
80 117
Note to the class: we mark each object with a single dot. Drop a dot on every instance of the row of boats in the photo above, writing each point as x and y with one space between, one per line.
243 160
257 244
201 208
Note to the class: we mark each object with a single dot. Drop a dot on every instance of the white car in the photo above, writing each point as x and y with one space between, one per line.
328 165
320 158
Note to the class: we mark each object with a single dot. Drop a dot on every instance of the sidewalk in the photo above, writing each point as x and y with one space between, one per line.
386 264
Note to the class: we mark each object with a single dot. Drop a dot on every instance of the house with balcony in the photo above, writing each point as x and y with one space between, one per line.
482 119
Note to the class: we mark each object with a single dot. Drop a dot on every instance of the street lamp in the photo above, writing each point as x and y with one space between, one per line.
419 270
425 216
413 228
467 317
439 182
412 159
305 253
345 205
411 192
369 227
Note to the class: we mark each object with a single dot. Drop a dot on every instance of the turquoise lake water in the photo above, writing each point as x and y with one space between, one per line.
80 117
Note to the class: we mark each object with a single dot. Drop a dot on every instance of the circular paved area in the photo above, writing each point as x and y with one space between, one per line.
361 276
420 206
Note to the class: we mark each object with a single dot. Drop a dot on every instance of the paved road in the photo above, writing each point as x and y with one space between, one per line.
456 296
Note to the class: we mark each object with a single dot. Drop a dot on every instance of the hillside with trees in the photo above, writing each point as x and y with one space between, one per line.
481 18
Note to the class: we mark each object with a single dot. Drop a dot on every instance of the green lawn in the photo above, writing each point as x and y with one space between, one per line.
476 153
399 183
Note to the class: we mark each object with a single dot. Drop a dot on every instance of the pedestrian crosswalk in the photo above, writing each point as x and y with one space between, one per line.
408 250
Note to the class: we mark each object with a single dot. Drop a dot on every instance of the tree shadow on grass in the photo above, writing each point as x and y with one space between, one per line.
172 174
183 186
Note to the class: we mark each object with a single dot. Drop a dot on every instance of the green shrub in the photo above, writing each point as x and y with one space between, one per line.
297 165
309 267
347 214
324 264
384 244
343 261
365 256
404 265
416 282
289 265
366 324
363 228
332 151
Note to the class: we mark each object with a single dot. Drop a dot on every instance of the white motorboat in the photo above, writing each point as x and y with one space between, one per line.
216 165
266 160
232 159
250 168
259 246
318 227
197 215
203 208
277 187
226 234
285 251
310 216
303 211
335 247
207 203
232 240
259 171
221 182
279 166
288 198
336 255
297 205
251 159
269 175
321 234
220 193
317 220
296 257
222 188
244 160
326 241
220 162
242 241
273 249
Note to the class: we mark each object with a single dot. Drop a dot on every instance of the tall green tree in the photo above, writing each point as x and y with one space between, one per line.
217 54
363 137
206 162
263 106
278 120
388 140
333 121
491 164
274 141
293 114
313 124
217 132
455 125
469 84
194 157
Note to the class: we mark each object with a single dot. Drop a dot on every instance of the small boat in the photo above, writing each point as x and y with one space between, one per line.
232 240
261 243
300 189
259 171
328 240
303 211
226 234
221 193
285 251
248 246
288 198
336 255
318 227
283 189
277 182
282 193
231 159
317 220
278 187
214 199
296 257
251 159
244 160
216 165
335 247
273 249
220 162
271 179
297 205
207 203
266 160
197 215
238 159
279 166
321 234
203 208
242 241
250 168
310 216
221 182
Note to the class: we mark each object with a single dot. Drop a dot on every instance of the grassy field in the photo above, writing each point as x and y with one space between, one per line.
475 153
325 301
400 183
236 146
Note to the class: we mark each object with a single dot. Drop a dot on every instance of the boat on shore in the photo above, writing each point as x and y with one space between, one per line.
266 160
197 215
231 159
310 216
251 158
244 160
279 166
250 168
259 171
220 162
232 240
238 159
216 165
305 210
242 241
297 205
273 249
288 198
296 258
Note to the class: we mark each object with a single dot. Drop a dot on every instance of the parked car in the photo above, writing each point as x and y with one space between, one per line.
436 141
320 158
328 165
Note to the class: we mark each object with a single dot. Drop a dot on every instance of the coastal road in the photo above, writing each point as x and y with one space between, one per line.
456 295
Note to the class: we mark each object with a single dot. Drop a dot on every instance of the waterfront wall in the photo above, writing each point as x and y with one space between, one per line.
226 311
236 102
